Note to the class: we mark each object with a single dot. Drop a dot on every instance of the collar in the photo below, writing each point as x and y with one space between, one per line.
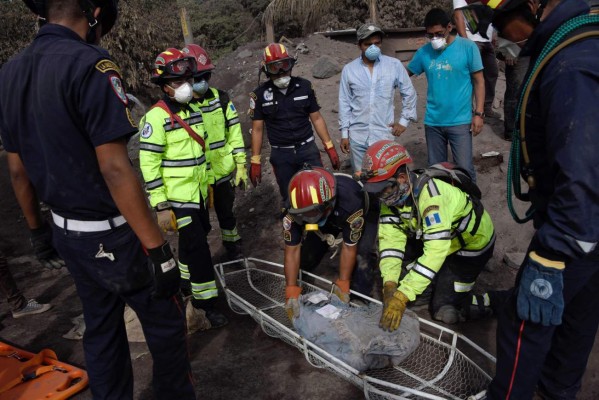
564 11
176 107
293 83
58 30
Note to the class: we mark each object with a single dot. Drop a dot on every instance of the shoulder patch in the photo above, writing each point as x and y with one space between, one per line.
433 219
287 222
117 86
130 117
106 65
287 236
252 103
253 96
429 209
146 131
355 236
355 216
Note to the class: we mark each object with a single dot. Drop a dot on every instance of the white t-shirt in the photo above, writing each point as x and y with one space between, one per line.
475 37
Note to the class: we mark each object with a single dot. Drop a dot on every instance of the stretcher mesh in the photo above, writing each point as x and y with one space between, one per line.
445 365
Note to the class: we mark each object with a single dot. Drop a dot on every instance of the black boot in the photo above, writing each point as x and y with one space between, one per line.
234 250
216 318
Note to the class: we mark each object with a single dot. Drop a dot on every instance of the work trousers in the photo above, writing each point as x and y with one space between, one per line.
490 71
195 260
286 162
104 286
224 199
552 357
8 287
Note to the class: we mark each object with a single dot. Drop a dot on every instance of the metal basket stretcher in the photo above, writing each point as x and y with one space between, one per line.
446 364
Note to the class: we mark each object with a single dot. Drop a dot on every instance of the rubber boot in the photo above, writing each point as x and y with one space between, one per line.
234 250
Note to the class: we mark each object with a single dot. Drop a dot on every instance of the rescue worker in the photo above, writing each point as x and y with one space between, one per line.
325 205
288 107
64 122
455 232
547 326
226 155
172 159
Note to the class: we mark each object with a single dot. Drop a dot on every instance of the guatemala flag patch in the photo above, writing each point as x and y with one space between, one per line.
432 219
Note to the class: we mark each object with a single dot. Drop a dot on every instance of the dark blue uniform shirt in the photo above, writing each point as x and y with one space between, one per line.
287 116
347 216
562 135
59 99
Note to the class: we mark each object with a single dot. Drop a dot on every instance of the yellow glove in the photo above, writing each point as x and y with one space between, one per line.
394 305
291 301
341 290
241 176
167 220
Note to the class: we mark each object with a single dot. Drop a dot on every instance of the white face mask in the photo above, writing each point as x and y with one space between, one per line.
282 82
183 94
508 48
438 43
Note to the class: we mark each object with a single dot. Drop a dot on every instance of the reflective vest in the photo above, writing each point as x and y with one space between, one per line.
223 135
172 163
449 225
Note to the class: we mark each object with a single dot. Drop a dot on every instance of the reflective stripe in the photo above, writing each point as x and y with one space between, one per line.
184 163
194 119
154 184
389 220
204 291
433 190
391 253
87 226
476 253
239 150
406 215
211 107
182 222
230 235
442 235
587 247
224 179
178 204
422 270
486 300
463 224
462 287
217 145
156 148
233 121
203 286
184 270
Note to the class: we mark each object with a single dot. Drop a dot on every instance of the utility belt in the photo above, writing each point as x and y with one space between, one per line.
74 225
294 146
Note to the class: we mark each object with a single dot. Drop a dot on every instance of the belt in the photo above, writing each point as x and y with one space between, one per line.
311 139
88 226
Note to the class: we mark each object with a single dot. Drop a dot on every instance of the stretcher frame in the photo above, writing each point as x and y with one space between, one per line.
442 366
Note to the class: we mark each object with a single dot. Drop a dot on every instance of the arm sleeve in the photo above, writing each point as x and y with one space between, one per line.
344 103
233 134
313 104
255 111
392 245
415 66
152 143
408 96
476 63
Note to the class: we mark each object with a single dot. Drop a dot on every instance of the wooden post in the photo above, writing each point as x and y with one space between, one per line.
187 34
270 31
373 13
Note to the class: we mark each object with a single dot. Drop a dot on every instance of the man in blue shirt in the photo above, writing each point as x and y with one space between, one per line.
452 66
366 95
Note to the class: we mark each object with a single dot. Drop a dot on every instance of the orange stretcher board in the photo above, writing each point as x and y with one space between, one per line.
41 376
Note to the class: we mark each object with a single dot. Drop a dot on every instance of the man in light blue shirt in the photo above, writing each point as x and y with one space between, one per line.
366 95
452 66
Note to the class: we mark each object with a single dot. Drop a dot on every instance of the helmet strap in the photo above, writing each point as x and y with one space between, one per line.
88 7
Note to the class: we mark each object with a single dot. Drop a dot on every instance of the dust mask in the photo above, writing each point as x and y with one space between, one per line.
508 48
282 82
373 52
439 43
183 94
200 87
398 197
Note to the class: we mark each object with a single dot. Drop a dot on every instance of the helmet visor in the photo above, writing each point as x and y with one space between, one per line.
310 215
181 67
279 67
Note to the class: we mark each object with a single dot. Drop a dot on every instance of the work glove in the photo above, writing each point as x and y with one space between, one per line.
255 170
394 305
163 266
241 176
341 290
41 241
333 156
540 293
292 301
167 220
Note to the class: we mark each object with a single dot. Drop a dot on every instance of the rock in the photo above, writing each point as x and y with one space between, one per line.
244 54
302 48
514 260
325 67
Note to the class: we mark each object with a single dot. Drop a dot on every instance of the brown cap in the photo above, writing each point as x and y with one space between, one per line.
368 30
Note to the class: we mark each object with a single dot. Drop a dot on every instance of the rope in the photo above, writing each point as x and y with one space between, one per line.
553 45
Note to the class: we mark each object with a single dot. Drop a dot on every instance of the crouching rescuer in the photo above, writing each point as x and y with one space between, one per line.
448 231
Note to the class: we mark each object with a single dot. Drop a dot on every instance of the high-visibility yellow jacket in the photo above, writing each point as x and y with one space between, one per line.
448 220
223 135
172 163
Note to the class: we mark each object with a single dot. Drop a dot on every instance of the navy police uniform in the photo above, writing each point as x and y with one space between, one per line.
561 135
59 99
350 218
288 127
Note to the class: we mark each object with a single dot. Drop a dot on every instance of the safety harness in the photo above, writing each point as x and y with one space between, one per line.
562 37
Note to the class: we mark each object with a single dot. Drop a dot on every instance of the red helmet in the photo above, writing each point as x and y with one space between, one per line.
172 63
203 61
500 5
276 59
380 164
312 193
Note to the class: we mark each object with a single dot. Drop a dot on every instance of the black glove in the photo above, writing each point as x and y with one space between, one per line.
165 271
41 241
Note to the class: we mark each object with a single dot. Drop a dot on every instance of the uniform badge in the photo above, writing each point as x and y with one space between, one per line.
355 216
355 236
130 117
202 59
287 236
357 224
429 209
433 219
117 86
268 96
287 223
232 107
146 132
107 65
252 103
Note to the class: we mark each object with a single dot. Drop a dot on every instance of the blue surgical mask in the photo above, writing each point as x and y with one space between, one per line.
373 52
200 87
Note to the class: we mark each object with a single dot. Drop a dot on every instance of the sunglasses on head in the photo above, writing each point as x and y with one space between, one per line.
279 67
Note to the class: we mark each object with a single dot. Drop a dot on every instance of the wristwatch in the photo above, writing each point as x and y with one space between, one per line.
478 114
